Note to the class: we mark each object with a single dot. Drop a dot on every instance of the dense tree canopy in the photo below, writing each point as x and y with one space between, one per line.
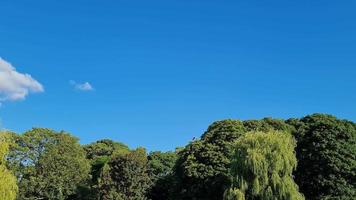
160 169
48 165
202 167
262 167
267 124
100 152
125 177
8 186
104 148
233 159
326 152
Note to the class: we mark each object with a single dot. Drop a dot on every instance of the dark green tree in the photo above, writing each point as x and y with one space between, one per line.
262 167
104 148
161 164
125 177
99 153
160 168
267 124
203 165
326 157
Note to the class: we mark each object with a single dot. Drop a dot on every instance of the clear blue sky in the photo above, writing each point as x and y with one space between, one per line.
164 70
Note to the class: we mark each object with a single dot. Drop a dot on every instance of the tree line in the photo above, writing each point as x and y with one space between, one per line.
312 157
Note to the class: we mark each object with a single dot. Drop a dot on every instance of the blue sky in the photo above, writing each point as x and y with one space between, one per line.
162 71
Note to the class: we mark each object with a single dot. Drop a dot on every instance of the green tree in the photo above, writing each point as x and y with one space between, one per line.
125 177
262 167
160 168
203 165
49 165
8 186
326 153
104 148
99 153
202 170
267 124
161 164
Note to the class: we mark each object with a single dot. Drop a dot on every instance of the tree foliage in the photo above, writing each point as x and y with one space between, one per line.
202 167
250 160
262 167
104 148
125 177
99 153
160 168
267 124
49 165
8 186
326 152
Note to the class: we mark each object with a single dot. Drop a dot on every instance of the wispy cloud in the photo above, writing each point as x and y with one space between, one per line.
15 85
86 86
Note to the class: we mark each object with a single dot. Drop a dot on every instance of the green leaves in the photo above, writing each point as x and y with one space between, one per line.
48 164
327 159
203 166
8 186
125 176
233 160
262 167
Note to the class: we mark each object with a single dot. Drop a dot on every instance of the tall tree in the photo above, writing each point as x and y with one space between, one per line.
262 167
125 177
160 168
49 165
326 153
99 153
203 165
8 186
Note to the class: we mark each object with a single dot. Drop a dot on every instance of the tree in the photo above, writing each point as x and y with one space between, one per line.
8 186
267 124
160 168
326 153
203 165
99 153
104 148
262 167
161 164
125 177
202 169
49 165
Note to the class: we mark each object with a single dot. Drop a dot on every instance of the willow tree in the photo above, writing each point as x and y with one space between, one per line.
8 187
262 167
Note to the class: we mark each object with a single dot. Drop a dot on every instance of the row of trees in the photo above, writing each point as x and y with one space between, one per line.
308 158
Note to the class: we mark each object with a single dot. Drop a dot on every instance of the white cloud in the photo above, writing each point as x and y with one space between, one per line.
14 85
86 86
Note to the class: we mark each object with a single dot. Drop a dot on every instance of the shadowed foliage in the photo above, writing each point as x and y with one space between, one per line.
326 152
